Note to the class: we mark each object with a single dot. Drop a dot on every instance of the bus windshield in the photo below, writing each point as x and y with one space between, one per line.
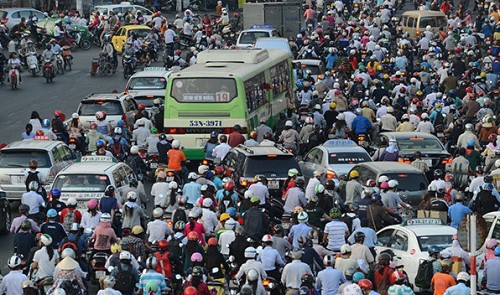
203 89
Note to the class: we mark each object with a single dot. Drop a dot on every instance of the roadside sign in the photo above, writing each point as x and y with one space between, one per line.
464 229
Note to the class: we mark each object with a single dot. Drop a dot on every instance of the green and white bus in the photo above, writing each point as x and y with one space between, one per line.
224 88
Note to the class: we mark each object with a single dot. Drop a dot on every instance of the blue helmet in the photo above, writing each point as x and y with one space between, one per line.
434 250
470 142
120 123
453 91
46 123
488 186
99 143
497 251
376 197
231 211
56 192
475 64
358 276
51 213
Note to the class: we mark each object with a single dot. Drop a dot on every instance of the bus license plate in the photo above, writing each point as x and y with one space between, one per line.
205 123
273 184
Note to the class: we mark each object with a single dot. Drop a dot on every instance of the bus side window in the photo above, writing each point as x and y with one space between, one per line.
255 90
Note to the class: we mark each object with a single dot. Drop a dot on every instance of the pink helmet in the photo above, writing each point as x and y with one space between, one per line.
196 257
491 243
92 203
384 185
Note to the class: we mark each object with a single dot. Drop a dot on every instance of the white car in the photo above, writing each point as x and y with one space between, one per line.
148 85
410 241
12 16
88 178
118 106
123 7
247 38
315 65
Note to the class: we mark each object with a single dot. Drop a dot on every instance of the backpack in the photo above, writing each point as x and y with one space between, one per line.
174 246
32 176
124 280
71 244
424 274
179 214
485 202
387 156
226 198
345 218
164 266
117 149
69 219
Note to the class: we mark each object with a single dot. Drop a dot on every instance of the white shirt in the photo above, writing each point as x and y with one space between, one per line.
311 187
159 188
89 221
157 230
209 219
33 200
221 150
109 291
12 283
260 190
169 36
226 238
46 266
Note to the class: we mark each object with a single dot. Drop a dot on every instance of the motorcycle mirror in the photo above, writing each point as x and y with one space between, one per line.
215 270
231 258
259 249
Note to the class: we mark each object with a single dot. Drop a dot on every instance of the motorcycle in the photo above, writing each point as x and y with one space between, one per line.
14 77
32 62
97 266
68 40
59 63
185 41
45 284
105 67
68 59
152 163
128 66
83 39
48 71
216 286
4 36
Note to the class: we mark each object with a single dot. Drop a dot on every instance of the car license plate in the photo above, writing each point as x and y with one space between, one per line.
428 162
99 274
16 179
169 179
153 165
72 146
273 184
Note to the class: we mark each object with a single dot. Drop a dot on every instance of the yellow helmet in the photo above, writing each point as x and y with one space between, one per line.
386 76
224 216
115 248
333 105
419 93
353 174
438 105
483 74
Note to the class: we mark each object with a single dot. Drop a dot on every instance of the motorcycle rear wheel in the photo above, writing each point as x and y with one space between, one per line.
85 44
33 72
60 68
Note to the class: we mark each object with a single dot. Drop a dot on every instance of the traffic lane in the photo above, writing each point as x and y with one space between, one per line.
8 240
64 94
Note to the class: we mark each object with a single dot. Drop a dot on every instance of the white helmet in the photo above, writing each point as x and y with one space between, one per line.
267 238
59 291
207 202
463 276
329 260
132 196
68 252
468 126
173 185
109 281
383 178
105 217
157 212
428 28
72 201
46 239
75 116
118 130
497 163
252 275
250 252
14 261
393 183
248 194
309 120
134 150
176 144
125 255
203 169
303 217
192 176
345 249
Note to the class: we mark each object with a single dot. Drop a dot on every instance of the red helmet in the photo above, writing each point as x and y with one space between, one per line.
192 236
472 95
219 170
365 284
397 276
458 50
415 100
163 245
190 291
371 183
141 106
235 14
468 89
402 90
492 137
229 186
58 113
178 52
212 242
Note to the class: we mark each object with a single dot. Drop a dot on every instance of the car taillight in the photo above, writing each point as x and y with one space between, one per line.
4 20
175 131
124 118
126 91
447 161
204 162
243 182
403 160
227 130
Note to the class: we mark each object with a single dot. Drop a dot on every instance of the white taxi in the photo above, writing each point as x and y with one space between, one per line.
247 38
90 175
147 85
409 241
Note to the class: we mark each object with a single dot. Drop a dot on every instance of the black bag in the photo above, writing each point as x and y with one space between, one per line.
174 247
424 274
33 176
226 197
179 214
485 202
125 282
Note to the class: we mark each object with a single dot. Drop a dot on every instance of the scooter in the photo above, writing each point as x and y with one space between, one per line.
32 62
48 71
14 78
128 66
59 63
97 266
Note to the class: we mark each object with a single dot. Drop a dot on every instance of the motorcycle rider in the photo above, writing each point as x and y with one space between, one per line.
12 282
255 222
125 270
251 263
108 283
151 275
270 258
14 63
177 159
293 272
16 222
35 202
329 279
136 163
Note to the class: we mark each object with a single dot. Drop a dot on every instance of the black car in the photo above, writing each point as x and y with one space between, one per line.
433 151
273 162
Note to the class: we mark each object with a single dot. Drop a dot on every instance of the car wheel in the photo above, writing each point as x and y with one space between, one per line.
6 218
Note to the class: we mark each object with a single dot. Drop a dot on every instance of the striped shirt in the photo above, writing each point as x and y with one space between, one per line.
151 275
335 230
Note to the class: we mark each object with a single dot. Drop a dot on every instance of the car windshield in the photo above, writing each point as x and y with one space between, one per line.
420 144
348 158
20 158
443 241
81 182
111 107
409 181
145 100
152 83
271 167
250 37
315 70
141 33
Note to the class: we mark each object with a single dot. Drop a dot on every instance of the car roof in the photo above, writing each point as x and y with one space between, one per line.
262 150
89 167
10 9
423 230
388 167
342 145
309 62
404 135
149 72
33 144
105 96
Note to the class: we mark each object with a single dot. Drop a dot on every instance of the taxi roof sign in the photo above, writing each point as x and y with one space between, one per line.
339 143
265 27
423 221
106 159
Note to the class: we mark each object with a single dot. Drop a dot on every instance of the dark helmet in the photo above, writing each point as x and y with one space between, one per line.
359 236
384 258
24 208
434 250
278 228
304 290
479 169
488 178
268 136
307 279
26 225
300 183
330 184
438 173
